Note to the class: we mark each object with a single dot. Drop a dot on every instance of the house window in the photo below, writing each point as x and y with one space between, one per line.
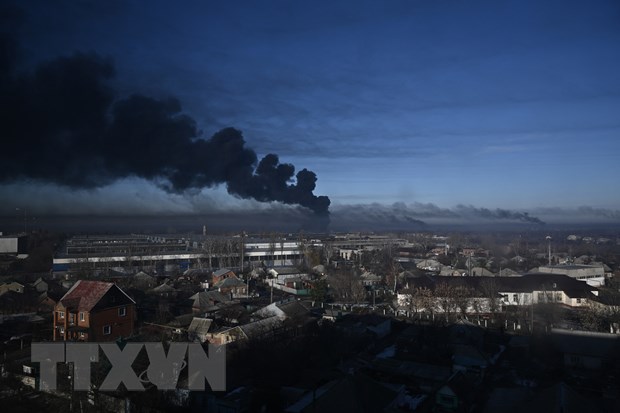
71 317
107 330
541 297
579 301
61 314
62 330
82 317
558 296
515 298
122 311
82 335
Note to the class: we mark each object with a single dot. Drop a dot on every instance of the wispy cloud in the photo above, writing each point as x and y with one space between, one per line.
493 149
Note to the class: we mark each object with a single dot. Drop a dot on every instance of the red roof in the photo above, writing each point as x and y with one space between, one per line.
84 295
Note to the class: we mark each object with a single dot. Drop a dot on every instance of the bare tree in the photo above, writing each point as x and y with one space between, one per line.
347 286
358 292
328 249
463 296
445 296
425 299
490 290
208 248
603 315
417 300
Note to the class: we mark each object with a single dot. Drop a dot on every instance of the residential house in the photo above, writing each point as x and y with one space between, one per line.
11 286
448 271
94 311
429 265
232 286
507 272
199 329
295 312
222 274
40 285
528 289
260 329
536 288
473 251
47 300
143 282
164 290
297 284
288 309
593 274
480 272
206 301
370 279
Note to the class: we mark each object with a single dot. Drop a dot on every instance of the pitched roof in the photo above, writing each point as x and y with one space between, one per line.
163 288
287 271
221 272
84 295
587 343
229 283
293 309
141 275
261 327
199 325
205 299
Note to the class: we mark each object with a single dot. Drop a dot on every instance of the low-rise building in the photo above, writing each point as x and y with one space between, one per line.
592 274
94 311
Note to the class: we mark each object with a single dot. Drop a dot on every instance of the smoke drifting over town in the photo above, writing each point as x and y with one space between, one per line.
418 215
63 124
496 214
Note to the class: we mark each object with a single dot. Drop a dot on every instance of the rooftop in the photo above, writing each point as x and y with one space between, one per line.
84 295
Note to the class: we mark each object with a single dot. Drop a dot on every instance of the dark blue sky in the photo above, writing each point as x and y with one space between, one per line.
495 104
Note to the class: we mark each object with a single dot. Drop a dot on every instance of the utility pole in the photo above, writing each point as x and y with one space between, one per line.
242 263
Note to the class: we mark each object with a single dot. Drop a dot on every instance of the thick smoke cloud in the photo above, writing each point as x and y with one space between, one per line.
63 124
496 214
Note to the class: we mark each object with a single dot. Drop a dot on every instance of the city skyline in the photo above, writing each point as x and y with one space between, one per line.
416 110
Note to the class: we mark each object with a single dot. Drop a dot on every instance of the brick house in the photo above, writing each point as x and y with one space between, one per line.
94 311
222 274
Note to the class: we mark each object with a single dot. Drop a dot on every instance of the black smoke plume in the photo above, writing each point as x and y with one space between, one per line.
499 214
63 124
